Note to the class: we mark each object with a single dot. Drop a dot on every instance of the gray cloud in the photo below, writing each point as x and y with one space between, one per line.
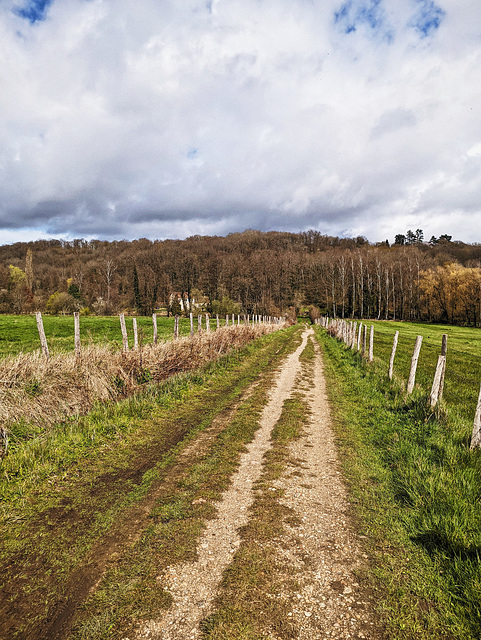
393 120
122 119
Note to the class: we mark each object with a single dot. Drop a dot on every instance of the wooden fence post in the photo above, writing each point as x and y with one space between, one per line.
476 435
414 364
125 339
434 397
191 318
207 323
217 320
364 340
359 337
371 344
393 353
227 321
41 333
199 322
136 333
76 323
154 322
176 327
354 336
444 352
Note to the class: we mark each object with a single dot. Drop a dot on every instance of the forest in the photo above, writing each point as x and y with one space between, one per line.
272 273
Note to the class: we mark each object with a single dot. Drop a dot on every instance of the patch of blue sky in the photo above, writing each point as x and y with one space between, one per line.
428 17
354 14
33 10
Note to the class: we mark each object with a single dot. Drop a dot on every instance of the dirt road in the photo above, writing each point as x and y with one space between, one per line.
320 546
316 554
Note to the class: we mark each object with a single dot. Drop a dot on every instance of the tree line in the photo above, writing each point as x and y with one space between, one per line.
269 273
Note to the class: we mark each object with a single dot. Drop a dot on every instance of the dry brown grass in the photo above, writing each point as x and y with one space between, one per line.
44 392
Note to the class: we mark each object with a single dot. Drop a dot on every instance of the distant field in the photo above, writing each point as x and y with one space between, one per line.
463 363
19 333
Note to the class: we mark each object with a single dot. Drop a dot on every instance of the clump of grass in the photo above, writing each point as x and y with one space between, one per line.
41 392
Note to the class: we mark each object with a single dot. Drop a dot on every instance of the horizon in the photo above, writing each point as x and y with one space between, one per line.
350 117
425 240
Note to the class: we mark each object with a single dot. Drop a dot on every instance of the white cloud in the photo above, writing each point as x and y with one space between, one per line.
124 119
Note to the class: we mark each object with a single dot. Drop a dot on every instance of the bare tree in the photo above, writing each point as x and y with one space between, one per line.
109 272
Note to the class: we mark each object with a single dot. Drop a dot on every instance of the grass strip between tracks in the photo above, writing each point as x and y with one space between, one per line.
248 606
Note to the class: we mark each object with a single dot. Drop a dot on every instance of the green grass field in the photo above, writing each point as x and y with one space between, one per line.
19 333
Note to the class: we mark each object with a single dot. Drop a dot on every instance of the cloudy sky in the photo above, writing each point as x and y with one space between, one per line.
169 118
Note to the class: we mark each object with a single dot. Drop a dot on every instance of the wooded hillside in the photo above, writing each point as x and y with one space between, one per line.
255 272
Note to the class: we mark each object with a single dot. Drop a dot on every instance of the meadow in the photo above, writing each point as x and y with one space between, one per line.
18 334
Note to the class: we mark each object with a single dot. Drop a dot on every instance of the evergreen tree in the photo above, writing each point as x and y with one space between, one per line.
136 288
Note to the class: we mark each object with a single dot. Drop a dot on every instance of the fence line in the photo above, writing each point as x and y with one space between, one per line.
341 329
177 319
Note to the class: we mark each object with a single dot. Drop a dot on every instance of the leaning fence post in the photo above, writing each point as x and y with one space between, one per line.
76 322
434 397
414 364
136 333
154 322
125 339
393 353
191 318
371 344
359 337
476 436
41 333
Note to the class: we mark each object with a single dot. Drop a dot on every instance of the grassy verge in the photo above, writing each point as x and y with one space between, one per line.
66 496
416 488
36 393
